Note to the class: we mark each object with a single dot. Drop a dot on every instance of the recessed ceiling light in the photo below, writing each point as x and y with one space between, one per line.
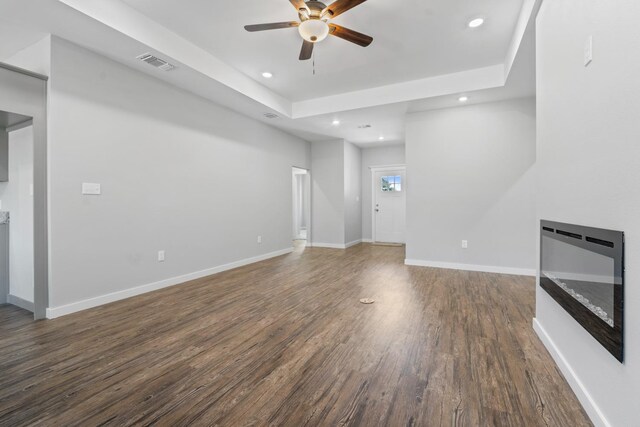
267 75
475 23
335 122
463 99
381 138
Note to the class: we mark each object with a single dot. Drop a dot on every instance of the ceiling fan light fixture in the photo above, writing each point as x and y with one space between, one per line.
313 30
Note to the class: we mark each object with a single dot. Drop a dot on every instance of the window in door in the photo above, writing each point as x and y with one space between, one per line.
391 183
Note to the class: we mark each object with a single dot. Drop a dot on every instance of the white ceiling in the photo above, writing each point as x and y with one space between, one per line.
116 30
388 120
413 39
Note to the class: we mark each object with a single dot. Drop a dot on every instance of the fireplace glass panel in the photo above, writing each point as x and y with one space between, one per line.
586 276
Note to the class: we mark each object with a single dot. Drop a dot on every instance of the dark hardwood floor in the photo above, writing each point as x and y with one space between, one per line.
286 342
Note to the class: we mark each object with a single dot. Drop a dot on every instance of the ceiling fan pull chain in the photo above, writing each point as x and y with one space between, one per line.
314 62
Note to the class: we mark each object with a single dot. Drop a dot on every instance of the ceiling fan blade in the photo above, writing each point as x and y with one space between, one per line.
350 35
339 7
307 50
272 26
299 4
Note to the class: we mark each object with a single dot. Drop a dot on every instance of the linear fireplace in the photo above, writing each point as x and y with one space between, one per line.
582 268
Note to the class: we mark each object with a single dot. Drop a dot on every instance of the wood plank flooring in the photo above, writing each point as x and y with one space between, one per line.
285 342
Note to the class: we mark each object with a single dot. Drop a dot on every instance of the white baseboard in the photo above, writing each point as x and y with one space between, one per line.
367 240
472 267
20 302
589 405
355 242
335 245
63 310
329 245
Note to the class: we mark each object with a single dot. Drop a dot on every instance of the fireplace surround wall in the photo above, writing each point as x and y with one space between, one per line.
582 269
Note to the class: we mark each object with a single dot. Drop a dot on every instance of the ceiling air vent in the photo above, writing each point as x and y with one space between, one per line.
364 126
160 64
271 115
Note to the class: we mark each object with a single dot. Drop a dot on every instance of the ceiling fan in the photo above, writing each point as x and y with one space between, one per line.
314 24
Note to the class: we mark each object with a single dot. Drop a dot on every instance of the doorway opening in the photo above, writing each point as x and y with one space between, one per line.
23 102
301 189
16 211
389 198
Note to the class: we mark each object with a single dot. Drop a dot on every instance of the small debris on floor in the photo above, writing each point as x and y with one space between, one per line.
367 301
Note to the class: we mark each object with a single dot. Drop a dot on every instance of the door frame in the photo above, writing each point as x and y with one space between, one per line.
308 189
374 170
25 92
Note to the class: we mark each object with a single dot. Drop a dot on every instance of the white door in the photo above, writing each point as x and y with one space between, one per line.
389 206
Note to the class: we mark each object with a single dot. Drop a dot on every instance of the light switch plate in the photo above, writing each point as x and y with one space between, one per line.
465 244
160 256
91 189
588 51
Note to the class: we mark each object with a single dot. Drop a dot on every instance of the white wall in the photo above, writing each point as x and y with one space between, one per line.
470 174
588 151
178 173
375 156
17 199
327 193
352 194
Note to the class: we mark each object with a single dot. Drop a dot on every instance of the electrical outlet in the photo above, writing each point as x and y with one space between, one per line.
259 240
465 244
160 256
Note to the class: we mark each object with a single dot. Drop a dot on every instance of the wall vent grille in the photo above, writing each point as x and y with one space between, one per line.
156 62
271 115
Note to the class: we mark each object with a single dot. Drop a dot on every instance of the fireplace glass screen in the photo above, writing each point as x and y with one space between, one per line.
587 276
582 268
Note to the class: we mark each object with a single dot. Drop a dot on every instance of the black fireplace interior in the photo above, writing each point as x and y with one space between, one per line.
582 268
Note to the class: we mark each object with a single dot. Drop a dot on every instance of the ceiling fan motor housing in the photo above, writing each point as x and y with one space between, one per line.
314 24
315 10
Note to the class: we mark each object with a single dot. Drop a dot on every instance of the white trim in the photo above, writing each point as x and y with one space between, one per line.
471 267
367 240
329 245
20 302
335 245
355 242
388 167
383 168
589 405
63 310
